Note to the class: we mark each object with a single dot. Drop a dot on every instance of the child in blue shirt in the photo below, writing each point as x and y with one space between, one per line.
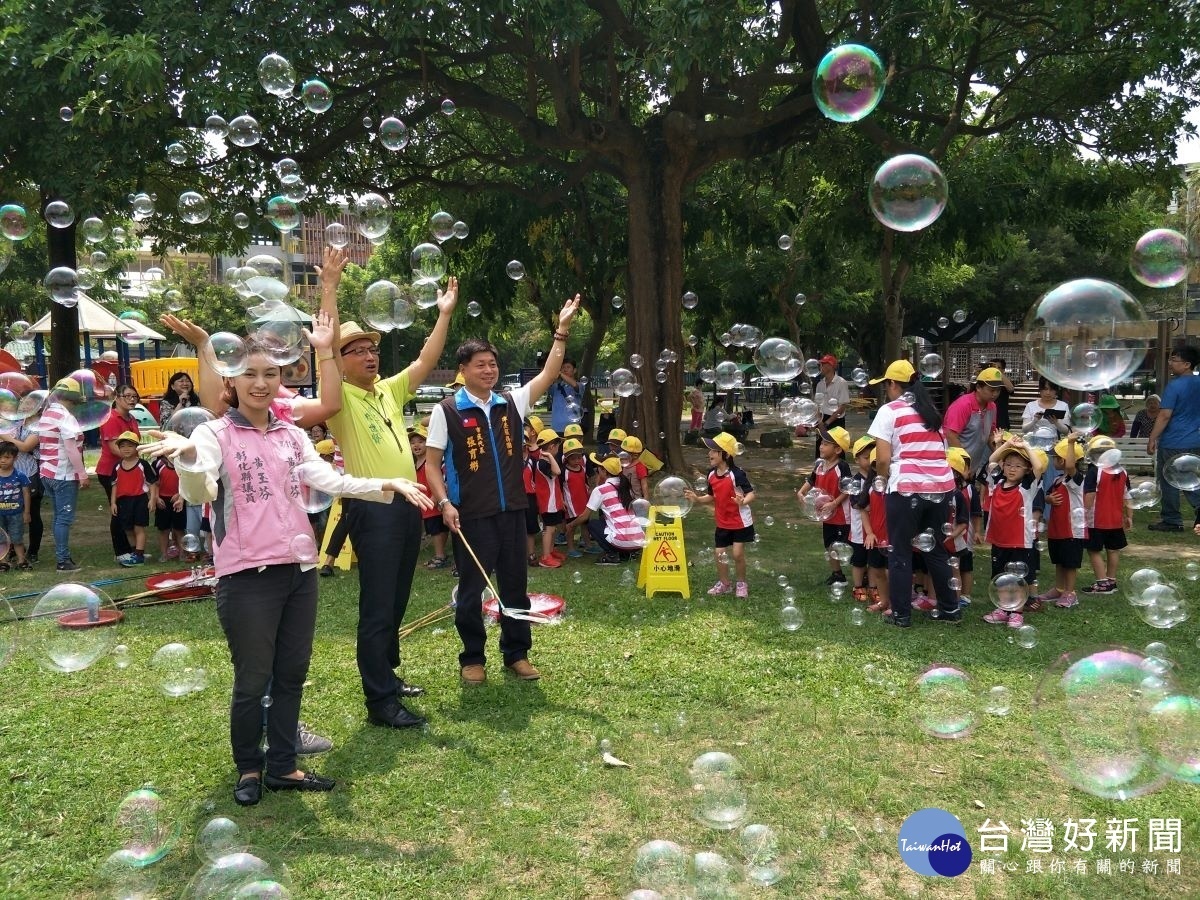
14 503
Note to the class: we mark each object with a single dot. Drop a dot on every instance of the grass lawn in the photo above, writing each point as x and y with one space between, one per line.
504 795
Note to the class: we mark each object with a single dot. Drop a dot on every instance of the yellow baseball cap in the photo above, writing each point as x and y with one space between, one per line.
991 376
457 382
1101 442
959 459
67 386
609 464
571 446
901 370
573 430
128 437
616 436
418 429
836 435
1063 447
536 422
547 436
631 445
722 441
1037 459
862 444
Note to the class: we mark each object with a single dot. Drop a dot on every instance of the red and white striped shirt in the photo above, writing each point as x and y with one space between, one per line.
620 529
56 427
919 464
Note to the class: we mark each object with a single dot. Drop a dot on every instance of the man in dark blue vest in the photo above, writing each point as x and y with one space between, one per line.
478 434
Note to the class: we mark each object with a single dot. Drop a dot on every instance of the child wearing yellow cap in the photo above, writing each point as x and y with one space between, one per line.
1067 527
1017 503
135 493
639 475
1109 514
830 471
730 493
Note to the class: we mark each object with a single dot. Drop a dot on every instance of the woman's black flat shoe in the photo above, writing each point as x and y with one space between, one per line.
248 791
310 782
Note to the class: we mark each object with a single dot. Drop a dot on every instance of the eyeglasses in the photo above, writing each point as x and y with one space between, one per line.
134 397
360 352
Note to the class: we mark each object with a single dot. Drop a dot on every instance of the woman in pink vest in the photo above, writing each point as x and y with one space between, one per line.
252 468
910 454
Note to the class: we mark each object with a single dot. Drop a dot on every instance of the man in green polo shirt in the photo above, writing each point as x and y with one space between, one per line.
370 431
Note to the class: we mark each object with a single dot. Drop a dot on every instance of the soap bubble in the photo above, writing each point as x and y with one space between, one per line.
145 827
448 107
848 83
791 618
194 208
174 666
393 133
998 701
1160 258
192 543
90 403
661 866
931 365
177 154
99 260
800 299
244 131
778 359
1008 591
58 214
229 351
1094 722
640 510
925 541
216 127
841 551
312 500
337 235
316 96
721 801
636 360
460 230
219 837
1085 418
622 382
515 270
760 847
276 75
373 215
14 222
183 421
1182 471
960 316
714 876
708 376
93 230
474 310
669 497
141 208
62 284
441 226
1027 637
303 548
428 262
785 242
283 213
908 193
815 505
234 873
1162 606
947 703
943 322
1084 316
690 300
617 301
124 875
72 626
728 375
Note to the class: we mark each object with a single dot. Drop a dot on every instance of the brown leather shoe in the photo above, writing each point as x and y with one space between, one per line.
524 670
474 674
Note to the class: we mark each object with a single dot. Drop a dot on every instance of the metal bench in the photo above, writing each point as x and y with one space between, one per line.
1133 454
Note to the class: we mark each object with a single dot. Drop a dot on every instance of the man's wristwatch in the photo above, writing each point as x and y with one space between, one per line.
442 503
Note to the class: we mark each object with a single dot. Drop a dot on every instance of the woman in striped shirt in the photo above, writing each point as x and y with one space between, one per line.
910 453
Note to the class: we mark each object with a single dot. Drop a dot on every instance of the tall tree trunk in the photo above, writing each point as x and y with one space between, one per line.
655 187
64 321
893 270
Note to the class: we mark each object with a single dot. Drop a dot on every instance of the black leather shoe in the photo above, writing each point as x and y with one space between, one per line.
898 621
395 717
310 782
248 791
409 690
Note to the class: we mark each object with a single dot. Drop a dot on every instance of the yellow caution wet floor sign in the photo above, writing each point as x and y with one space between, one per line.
664 564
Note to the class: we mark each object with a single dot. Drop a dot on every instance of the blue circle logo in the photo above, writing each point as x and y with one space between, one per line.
933 842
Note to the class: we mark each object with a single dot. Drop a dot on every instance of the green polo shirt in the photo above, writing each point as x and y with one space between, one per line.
372 448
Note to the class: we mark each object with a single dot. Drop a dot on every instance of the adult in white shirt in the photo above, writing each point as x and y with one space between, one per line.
1047 408
478 435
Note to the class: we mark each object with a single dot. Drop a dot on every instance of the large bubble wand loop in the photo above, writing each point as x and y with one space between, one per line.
523 615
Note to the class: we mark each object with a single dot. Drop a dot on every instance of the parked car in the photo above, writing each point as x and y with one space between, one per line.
428 395
510 381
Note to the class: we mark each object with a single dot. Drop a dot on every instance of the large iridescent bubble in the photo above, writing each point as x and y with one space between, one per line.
908 192
848 83
1160 258
1087 334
